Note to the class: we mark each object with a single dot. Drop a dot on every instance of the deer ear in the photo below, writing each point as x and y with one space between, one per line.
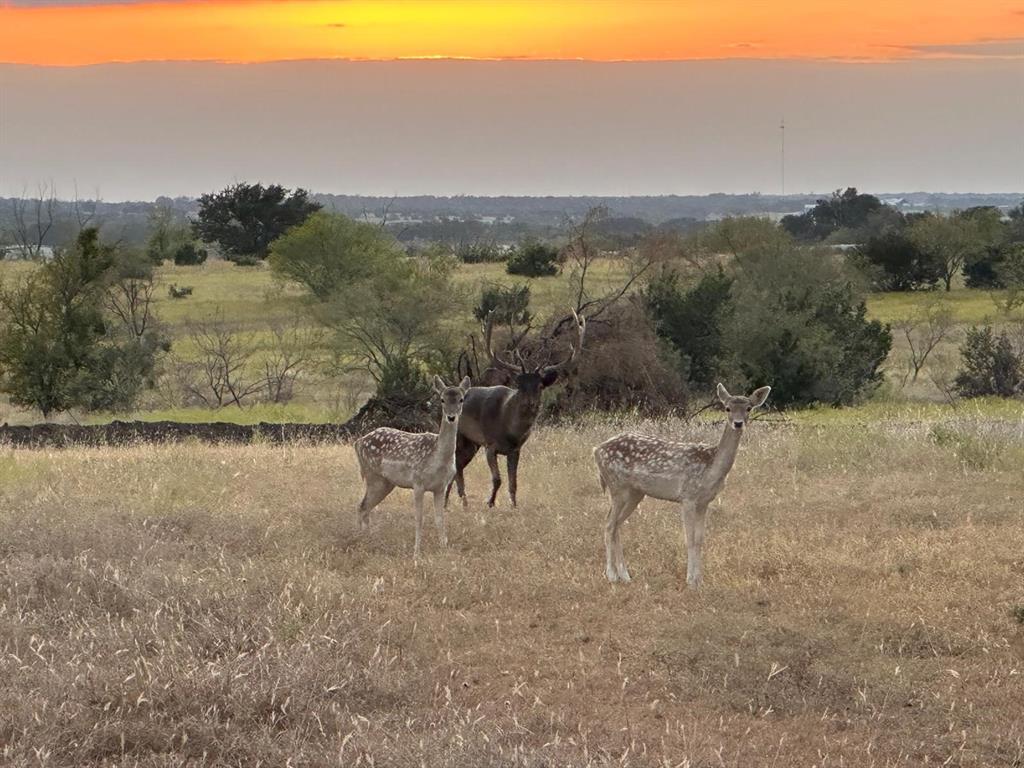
439 385
758 396
723 395
548 376
465 384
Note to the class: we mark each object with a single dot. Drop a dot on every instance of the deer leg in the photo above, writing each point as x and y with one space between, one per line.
693 521
626 508
417 496
439 521
377 488
610 536
492 462
513 472
464 453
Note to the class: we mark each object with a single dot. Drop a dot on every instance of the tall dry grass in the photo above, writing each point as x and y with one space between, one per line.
193 605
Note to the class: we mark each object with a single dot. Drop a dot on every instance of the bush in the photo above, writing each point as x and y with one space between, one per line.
623 366
785 316
480 252
533 259
510 304
693 321
989 365
189 255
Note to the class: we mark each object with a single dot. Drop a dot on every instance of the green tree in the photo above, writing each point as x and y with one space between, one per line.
166 234
389 312
329 251
895 263
394 323
245 219
949 242
845 209
79 332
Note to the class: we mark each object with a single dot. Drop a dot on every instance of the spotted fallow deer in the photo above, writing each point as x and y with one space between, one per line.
424 462
499 419
632 466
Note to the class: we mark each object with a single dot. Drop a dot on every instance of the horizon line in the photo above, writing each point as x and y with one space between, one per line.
846 60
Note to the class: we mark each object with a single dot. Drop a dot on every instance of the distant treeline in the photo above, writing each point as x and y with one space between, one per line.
454 219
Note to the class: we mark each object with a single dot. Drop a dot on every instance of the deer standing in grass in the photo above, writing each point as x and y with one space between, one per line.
424 462
632 466
500 419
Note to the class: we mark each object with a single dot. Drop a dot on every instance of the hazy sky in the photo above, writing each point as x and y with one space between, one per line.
909 95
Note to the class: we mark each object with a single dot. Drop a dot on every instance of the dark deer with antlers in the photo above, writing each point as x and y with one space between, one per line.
499 419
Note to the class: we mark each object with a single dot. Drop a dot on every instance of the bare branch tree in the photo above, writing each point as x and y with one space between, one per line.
131 301
33 219
83 215
582 253
220 376
293 350
924 331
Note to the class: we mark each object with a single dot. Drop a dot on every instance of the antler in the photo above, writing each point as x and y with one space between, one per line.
497 361
581 329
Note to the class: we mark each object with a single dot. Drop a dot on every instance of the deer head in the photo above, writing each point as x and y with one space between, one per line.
530 381
451 398
740 407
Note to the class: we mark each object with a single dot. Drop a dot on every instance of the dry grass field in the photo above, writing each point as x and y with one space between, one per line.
863 605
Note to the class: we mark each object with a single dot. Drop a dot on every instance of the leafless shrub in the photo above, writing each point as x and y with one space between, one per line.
924 331
292 352
131 301
581 255
220 375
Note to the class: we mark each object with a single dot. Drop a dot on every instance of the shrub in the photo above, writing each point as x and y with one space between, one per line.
785 316
510 304
189 255
480 252
533 259
989 365
693 321
623 365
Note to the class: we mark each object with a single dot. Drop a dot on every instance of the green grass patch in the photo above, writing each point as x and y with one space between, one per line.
969 306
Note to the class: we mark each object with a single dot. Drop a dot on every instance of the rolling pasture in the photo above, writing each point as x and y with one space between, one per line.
201 605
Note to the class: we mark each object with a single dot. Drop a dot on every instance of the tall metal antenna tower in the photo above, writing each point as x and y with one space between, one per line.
782 130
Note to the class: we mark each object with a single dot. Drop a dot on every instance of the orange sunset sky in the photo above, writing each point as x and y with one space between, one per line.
79 33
